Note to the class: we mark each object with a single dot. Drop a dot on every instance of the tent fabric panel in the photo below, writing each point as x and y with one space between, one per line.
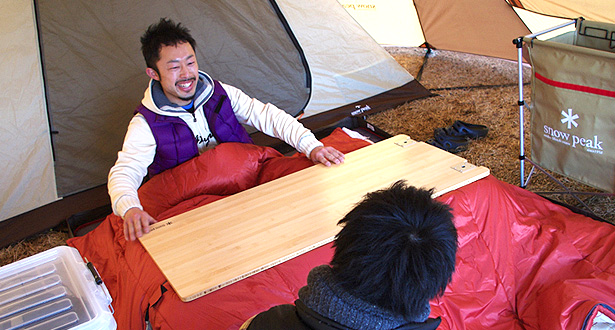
539 23
391 22
250 49
357 69
27 179
390 99
595 10
95 73
94 76
483 27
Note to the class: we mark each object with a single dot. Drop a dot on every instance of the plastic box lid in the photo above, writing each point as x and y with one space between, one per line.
53 289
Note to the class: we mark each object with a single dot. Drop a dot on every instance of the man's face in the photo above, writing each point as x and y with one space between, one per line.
177 72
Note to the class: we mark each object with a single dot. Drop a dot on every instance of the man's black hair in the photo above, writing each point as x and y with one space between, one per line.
397 249
166 33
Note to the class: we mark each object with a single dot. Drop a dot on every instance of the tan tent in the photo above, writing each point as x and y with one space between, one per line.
485 27
72 75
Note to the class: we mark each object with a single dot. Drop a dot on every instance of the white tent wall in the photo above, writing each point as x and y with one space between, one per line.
357 68
27 178
537 23
390 22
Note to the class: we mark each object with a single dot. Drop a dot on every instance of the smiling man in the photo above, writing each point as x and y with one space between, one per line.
185 112
179 73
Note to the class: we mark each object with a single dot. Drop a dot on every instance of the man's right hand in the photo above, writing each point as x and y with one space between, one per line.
136 223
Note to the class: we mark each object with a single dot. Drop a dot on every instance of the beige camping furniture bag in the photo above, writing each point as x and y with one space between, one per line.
573 104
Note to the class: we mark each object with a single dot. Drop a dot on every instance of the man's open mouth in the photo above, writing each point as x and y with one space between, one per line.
185 85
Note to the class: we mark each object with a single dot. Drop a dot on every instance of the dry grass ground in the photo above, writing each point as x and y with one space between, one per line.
470 88
479 90
32 246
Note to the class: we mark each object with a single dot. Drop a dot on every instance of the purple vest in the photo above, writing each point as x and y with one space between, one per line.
175 141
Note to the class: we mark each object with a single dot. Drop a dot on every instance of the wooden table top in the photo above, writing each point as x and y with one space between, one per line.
215 245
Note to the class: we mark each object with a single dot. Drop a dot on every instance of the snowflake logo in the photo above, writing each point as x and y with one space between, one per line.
569 118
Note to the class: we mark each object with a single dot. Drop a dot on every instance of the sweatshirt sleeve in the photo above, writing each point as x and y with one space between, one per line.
127 174
271 120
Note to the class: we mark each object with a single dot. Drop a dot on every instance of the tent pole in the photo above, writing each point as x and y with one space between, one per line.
534 35
521 103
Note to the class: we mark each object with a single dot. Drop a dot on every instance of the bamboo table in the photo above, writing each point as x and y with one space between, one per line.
215 245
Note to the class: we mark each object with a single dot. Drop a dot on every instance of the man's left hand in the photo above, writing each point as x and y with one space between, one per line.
326 156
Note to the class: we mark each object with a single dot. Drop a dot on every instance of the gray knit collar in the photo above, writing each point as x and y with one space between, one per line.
324 296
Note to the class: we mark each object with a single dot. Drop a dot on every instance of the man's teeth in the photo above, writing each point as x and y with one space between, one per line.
185 84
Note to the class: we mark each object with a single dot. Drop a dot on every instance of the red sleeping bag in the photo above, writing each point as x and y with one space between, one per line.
523 262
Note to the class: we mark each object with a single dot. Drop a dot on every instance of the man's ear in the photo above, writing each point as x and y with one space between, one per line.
152 74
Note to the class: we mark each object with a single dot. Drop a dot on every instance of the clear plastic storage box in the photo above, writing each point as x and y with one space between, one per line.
54 289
